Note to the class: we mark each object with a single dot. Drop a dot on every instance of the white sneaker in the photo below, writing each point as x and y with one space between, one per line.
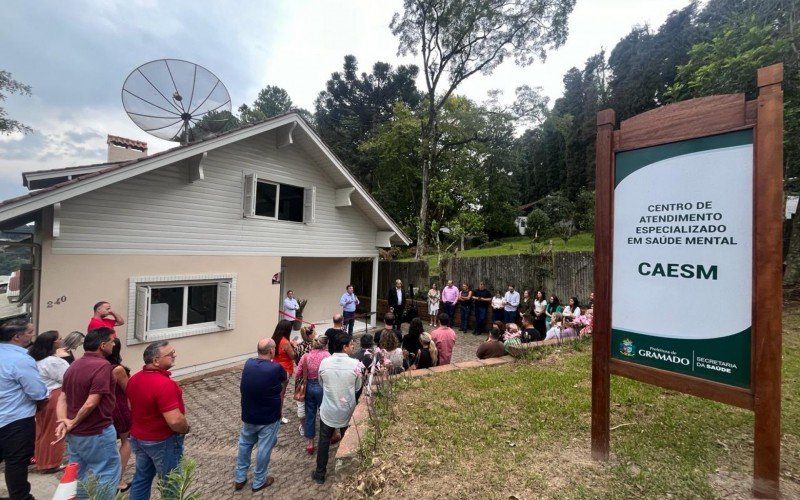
301 429
284 420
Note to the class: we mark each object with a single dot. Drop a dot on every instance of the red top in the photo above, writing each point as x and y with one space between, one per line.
90 374
151 393
282 358
95 323
445 338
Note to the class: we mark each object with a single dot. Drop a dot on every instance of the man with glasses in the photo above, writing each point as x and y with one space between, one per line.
84 412
21 390
159 419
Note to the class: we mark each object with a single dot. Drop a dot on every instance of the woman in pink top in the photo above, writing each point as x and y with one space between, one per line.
309 367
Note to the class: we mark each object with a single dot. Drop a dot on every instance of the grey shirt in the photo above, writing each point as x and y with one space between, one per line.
340 380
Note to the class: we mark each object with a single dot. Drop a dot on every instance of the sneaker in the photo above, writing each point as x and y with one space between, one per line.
317 479
284 420
301 430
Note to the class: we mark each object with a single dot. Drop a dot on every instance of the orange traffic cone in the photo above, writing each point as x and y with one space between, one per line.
68 487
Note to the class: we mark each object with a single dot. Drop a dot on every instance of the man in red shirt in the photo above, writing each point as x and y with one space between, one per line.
445 338
159 419
105 317
84 412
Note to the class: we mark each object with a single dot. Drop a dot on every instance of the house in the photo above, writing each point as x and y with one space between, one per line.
198 244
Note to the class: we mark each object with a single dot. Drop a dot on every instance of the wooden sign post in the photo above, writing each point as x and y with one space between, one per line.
689 203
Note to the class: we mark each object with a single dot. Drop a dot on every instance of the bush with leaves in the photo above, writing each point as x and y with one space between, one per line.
539 225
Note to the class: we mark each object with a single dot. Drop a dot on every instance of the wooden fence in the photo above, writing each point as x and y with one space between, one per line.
564 273
415 273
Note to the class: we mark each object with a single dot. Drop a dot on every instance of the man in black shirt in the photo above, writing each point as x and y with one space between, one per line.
338 326
529 333
388 326
482 298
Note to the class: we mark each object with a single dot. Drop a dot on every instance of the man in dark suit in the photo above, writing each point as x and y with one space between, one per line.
397 300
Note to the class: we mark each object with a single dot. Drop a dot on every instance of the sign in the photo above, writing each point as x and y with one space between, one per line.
688 259
682 264
276 279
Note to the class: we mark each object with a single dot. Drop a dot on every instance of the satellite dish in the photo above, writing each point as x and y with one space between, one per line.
176 100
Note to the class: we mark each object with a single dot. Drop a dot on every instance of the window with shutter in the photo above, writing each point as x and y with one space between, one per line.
310 205
249 204
178 306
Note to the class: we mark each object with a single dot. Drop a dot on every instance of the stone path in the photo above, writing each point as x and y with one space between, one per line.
213 409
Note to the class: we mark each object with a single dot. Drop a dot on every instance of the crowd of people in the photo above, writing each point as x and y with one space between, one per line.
89 409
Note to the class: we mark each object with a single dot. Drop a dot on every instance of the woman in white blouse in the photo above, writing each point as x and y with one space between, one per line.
573 309
51 368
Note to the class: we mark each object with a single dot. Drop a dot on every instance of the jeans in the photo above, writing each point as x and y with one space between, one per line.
465 310
324 445
498 315
509 317
16 449
97 454
313 402
265 436
480 319
154 457
349 319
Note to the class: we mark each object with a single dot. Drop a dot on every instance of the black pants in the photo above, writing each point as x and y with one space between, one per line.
398 317
323 448
17 441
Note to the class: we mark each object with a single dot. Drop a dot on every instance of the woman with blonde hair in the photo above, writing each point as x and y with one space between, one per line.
307 336
427 356
393 353
308 367
555 327
71 342
512 336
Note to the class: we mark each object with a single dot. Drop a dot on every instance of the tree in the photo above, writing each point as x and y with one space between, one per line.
10 86
459 38
353 107
271 101
539 225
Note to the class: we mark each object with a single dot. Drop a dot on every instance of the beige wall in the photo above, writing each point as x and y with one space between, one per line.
85 279
320 280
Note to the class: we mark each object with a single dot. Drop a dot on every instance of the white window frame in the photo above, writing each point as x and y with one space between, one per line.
139 306
251 182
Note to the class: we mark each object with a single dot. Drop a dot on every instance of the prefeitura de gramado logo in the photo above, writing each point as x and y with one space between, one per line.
626 348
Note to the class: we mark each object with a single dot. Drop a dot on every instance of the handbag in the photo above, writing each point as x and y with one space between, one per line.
300 385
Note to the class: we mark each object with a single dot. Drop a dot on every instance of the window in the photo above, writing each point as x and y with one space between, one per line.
272 200
177 306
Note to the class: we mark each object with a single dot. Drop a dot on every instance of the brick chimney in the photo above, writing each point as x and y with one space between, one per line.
122 149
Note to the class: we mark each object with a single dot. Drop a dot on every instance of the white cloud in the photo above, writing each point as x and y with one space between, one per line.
83 51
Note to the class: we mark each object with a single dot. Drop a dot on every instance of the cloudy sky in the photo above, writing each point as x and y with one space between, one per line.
77 54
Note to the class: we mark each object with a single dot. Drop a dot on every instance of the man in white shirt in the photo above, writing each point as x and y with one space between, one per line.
511 301
290 306
340 380
397 301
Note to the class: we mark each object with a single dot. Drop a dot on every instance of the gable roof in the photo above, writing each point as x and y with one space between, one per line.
115 172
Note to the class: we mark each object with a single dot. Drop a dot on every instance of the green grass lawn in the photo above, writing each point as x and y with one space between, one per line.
523 430
583 242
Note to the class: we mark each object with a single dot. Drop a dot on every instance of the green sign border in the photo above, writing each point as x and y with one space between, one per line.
719 355
628 162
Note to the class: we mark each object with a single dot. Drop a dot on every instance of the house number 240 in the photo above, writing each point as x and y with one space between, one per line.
51 303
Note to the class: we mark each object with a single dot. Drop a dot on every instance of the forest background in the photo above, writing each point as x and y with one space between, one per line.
469 173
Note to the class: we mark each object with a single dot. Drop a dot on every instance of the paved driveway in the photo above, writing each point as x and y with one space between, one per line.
213 409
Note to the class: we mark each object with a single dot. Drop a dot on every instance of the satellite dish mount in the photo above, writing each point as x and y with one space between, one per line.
176 100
